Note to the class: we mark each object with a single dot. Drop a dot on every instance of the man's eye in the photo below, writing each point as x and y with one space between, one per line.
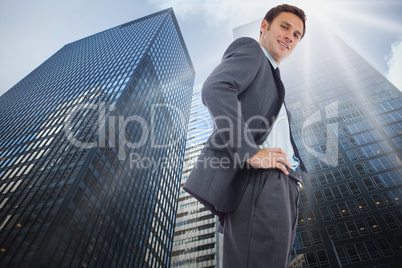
296 36
283 26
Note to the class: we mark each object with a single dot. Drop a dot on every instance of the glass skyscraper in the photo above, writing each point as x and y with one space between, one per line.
347 122
91 150
196 242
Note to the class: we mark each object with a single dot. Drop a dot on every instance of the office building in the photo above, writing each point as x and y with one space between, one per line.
196 242
91 150
347 122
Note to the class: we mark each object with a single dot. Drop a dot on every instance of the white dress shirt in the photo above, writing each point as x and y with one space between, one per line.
279 137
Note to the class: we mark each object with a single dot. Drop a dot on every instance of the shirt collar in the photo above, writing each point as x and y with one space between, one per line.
270 58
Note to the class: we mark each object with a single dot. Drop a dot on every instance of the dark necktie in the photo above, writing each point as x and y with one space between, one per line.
278 72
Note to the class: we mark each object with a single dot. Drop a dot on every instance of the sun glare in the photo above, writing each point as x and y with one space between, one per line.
314 8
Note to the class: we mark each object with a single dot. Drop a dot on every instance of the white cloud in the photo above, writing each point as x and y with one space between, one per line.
394 62
234 13
225 14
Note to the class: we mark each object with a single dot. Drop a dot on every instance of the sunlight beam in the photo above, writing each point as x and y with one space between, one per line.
382 23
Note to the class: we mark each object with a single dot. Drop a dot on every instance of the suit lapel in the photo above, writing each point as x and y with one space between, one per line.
281 99
279 87
281 96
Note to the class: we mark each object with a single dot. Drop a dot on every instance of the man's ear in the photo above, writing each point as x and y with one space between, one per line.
264 26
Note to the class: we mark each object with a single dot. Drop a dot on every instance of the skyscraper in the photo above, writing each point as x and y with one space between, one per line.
196 242
91 150
347 122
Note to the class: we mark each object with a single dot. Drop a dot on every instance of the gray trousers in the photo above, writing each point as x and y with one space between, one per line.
260 232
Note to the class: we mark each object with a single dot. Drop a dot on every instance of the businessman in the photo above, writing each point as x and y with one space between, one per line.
245 173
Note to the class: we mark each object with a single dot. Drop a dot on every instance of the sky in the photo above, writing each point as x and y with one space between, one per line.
32 31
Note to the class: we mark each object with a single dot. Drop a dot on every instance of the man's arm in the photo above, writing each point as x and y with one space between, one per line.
237 70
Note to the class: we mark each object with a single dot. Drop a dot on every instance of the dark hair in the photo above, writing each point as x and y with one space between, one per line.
275 11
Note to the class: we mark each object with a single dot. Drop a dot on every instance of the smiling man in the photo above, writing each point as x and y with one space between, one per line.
246 171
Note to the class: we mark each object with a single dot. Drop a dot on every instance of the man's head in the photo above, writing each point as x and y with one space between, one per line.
281 30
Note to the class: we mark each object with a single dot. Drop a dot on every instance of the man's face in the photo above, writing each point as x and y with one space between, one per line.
281 36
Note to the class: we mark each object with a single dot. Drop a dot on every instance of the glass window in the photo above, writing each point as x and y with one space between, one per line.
305 238
398 142
384 246
362 205
313 181
352 155
397 127
333 234
360 169
345 144
389 130
328 194
372 249
376 134
329 176
343 190
352 228
346 130
305 200
353 254
301 220
311 259
318 196
399 239
363 252
391 221
378 200
344 171
343 230
325 214
323 258
361 227
335 211
353 140
342 255
344 209
396 161
373 225
379 182
322 179
310 216
393 197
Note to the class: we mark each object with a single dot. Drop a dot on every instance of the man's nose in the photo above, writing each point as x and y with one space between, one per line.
289 38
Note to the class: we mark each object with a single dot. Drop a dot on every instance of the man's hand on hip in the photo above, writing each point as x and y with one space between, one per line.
270 158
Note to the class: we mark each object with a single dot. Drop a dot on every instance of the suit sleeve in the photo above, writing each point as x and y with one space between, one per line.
231 77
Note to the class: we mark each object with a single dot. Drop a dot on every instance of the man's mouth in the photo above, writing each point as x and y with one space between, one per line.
283 44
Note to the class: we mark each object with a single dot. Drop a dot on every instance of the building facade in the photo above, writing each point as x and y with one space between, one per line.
91 150
196 242
347 122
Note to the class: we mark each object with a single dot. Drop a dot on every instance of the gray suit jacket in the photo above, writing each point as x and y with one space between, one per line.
243 95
